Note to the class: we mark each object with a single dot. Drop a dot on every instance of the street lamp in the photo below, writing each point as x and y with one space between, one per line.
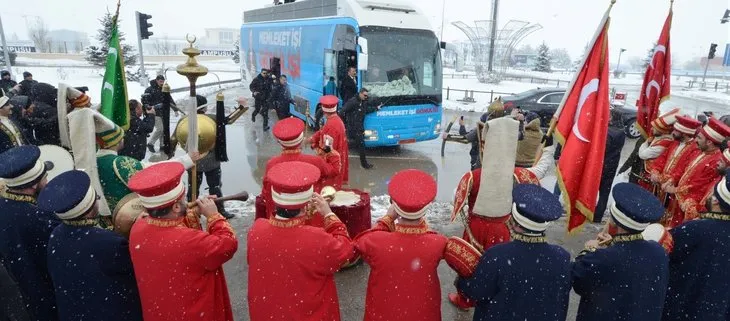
618 65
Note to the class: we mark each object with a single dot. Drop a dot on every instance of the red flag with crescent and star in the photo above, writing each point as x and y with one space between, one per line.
657 81
581 128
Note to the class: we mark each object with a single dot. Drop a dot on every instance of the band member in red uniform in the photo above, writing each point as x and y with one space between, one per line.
291 265
653 150
335 129
290 134
679 154
397 276
179 270
700 174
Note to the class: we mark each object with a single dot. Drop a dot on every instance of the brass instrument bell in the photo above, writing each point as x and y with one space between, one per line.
206 133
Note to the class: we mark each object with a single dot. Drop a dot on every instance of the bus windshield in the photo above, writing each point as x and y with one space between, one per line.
402 62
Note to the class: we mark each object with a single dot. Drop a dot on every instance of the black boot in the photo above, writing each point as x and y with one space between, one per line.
364 163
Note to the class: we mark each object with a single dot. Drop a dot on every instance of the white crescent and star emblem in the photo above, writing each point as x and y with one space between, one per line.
654 83
657 49
589 88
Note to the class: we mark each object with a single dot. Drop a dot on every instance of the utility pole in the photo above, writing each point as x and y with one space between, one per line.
710 55
443 14
618 65
6 53
495 13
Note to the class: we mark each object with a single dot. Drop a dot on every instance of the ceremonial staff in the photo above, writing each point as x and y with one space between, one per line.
166 102
192 70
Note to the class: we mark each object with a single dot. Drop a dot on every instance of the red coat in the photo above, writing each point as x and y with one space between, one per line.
335 128
290 155
656 165
179 270
291 269
694 184
404 283
677 163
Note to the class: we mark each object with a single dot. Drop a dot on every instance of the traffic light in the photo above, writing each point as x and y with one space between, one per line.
726 17
144 25
713 49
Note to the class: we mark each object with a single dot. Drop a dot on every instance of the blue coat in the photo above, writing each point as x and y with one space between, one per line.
94 264
520 281
699 272
24 233
623 282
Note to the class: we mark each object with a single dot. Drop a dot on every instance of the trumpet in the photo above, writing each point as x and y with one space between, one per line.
328 193
242 196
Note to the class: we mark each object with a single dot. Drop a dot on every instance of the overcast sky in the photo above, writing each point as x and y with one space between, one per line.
567 23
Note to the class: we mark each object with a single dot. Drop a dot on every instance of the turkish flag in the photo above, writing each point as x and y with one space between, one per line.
657 81
581 128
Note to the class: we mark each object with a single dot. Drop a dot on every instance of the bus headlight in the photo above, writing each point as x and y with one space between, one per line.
371 134
437 129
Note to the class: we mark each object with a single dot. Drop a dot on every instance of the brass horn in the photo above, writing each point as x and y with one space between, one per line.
242 196
240 110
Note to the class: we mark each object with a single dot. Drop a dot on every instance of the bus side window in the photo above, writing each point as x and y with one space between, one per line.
330 73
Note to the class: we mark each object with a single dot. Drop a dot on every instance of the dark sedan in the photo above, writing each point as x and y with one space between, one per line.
545 101
542 101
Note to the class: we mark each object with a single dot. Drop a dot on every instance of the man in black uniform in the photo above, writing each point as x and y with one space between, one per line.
153 97
355 110
281 98
261 89
6 83
348 88
614 143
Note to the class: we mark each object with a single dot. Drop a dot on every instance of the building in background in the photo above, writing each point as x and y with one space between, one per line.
67 41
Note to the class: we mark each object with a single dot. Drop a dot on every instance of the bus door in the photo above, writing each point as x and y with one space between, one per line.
345 59
275 66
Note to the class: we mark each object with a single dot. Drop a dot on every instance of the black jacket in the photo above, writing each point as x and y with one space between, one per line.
44 121
260 88
348 88
355 110
26 86
135 138
152 95
281 98
634 163
7 85
7 142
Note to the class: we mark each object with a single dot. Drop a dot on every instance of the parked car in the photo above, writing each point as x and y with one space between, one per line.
623 115
542 101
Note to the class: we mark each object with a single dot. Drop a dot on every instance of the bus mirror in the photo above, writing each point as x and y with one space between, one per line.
363 44
443 44
362 61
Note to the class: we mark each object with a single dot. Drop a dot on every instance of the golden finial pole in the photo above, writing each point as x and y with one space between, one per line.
192 70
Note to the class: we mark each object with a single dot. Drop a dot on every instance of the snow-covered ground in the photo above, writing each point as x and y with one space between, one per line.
74 75
719 97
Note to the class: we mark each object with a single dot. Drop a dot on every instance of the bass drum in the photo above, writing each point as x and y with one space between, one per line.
60 158
126 213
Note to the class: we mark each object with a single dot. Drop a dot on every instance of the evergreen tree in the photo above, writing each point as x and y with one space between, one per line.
97 55
236 52
543 58
649 56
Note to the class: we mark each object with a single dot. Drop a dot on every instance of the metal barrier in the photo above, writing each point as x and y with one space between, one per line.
469 94
184 89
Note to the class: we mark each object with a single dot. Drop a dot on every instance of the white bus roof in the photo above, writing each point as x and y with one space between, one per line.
386 13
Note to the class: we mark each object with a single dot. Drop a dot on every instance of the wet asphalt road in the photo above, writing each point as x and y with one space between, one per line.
249 148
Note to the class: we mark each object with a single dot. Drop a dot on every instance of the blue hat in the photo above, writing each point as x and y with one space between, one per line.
722 193
634 208
534 207
68 195
21 167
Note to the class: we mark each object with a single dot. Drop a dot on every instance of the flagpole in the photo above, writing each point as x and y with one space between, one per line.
556 115
602 25
116 14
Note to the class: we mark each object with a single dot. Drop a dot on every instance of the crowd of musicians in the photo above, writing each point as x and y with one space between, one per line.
63 257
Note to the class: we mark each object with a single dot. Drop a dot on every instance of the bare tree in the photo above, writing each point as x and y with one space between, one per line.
38 33
163 46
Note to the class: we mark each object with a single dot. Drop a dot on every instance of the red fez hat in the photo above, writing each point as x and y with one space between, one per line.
292 184
687 125
329 103
289 132
412 191
726 154
159 185
715 130
664 122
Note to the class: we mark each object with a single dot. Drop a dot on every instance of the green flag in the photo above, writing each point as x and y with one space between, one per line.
114 104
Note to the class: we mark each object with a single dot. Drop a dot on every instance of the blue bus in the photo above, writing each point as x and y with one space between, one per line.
313 42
